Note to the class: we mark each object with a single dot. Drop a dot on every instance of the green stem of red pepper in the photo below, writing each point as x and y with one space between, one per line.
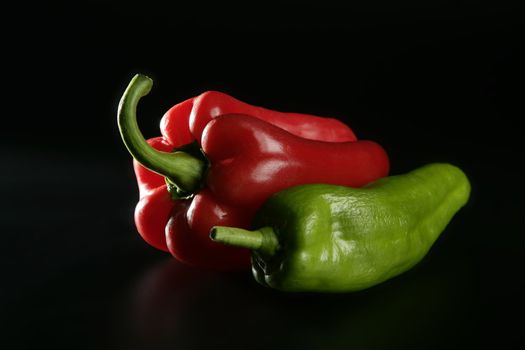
180 168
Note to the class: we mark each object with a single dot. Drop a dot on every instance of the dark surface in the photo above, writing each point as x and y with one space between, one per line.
434 82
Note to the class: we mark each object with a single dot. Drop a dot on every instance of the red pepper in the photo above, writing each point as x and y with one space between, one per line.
186 121
155 205
247 161
212 104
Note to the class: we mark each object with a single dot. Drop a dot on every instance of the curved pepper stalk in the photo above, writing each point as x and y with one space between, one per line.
180 168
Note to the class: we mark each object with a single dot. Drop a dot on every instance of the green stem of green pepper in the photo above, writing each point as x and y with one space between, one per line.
181 168
262 240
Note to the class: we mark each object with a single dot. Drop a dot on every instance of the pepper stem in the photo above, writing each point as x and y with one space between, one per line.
181 168
263 240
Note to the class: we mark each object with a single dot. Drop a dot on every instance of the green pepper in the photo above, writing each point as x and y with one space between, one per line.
326 238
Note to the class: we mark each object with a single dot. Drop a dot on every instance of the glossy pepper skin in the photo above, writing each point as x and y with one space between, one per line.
247 160
250 160
185 122
155 205
213 104
326 238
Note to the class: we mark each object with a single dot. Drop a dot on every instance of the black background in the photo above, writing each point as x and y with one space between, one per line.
430 81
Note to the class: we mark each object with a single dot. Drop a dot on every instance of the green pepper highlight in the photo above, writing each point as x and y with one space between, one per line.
326 238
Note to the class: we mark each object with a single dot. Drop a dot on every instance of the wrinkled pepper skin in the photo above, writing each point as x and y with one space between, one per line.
247 160
326 238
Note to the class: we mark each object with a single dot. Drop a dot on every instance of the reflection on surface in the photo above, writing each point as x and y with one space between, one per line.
173 306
